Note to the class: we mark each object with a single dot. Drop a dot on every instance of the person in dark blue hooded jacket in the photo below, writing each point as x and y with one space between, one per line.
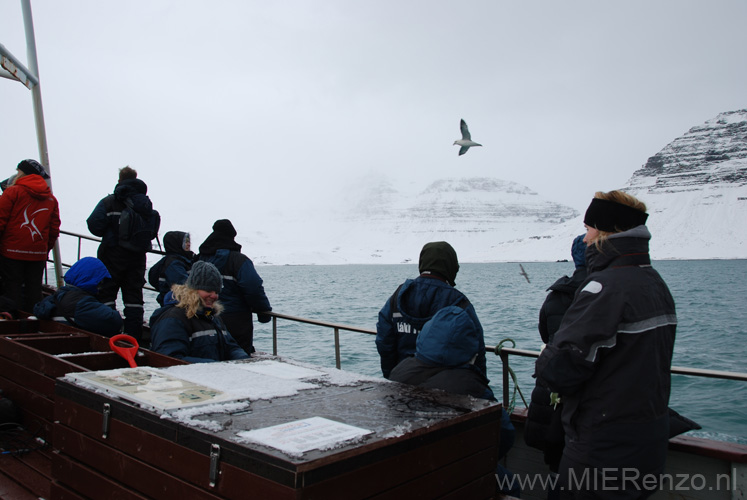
126 266
445 353
174 267
189 326
77 304
416 301
243 293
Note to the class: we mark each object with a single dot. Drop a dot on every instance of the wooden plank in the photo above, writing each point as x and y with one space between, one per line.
32 475
112 465
61 492
61 343
31 379
88 483
40 361
11 489
29 401
161 451
412 460
447 481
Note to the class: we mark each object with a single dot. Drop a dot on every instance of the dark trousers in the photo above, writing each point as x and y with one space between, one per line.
128 274
240 326
21 281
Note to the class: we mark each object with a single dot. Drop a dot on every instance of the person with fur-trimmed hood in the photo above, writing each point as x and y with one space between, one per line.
416 301
243 293
77 304
189 325
174 267
29 227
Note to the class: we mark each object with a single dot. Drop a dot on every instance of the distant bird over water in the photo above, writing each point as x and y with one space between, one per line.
466 140
524 273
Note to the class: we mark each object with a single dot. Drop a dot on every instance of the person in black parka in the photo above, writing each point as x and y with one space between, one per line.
243 293
174 267
126 267
610 360
544 429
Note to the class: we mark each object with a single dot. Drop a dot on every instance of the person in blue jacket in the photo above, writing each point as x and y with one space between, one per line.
416 301
189 326
445 353
77 304
243 293
174 267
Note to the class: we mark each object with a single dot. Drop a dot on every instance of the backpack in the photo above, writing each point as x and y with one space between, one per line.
136 231
156 273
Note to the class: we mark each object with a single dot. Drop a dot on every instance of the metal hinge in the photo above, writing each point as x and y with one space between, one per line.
106 414
214 459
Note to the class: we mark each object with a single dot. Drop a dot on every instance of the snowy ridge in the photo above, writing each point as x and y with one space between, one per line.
695 189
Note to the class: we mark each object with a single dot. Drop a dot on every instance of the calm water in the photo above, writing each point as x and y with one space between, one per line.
711 309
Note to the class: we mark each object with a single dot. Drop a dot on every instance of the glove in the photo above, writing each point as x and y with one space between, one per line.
264 318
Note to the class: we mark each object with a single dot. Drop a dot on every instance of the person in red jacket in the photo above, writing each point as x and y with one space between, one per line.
29 227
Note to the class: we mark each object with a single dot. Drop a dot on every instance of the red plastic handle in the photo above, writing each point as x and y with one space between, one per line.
127 353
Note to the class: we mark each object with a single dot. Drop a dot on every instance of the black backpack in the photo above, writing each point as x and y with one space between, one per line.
156 272
136 231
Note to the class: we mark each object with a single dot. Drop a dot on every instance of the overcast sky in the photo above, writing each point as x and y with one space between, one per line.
244 109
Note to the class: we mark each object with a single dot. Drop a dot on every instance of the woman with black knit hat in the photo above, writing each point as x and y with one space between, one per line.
610 360
189 326
243 293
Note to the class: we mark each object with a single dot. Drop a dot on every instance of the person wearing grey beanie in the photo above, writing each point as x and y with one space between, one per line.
205 276
189 326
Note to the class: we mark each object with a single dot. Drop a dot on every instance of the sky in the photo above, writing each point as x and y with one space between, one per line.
261 111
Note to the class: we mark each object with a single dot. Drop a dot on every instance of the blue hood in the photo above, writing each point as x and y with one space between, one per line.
449 338
87 273
578 251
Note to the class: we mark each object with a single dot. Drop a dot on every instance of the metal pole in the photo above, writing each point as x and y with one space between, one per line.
41 133
504 359
337 348
274 336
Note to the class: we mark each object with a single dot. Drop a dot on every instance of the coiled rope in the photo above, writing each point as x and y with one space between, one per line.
512 401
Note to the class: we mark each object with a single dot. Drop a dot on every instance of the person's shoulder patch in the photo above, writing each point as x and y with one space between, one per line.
592 287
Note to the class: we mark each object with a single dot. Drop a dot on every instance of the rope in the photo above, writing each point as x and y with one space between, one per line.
512 402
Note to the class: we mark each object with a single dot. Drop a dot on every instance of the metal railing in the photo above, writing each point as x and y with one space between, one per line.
80 238
502 352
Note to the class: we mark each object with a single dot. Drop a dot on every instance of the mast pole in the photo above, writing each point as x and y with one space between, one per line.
41 133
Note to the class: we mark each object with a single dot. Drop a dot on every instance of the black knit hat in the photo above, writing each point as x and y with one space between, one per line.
613 217
30 167
204 276
438 257
224 226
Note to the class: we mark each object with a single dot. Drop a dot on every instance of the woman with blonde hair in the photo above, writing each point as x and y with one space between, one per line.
188 326
610 360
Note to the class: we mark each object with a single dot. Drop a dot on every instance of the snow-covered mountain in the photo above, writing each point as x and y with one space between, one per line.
377 222
696 192
695 189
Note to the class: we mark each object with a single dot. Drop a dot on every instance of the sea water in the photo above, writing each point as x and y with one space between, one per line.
711 309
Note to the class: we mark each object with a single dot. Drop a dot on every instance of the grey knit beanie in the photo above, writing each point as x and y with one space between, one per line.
204 276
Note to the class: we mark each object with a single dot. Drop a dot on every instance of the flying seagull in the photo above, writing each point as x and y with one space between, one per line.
524 273
466 140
